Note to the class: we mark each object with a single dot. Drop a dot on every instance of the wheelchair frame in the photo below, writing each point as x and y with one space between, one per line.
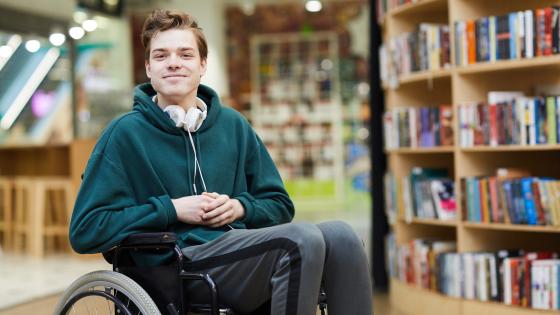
144 242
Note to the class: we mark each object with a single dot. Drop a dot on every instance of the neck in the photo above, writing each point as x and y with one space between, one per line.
186 102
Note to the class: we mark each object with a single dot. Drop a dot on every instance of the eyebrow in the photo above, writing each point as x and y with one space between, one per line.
165 50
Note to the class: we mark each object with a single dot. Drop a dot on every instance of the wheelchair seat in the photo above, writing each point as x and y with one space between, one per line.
150 290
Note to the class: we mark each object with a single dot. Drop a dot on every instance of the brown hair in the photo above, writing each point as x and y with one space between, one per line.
162 20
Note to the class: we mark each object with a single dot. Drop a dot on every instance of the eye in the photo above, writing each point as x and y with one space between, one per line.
187 56
159 57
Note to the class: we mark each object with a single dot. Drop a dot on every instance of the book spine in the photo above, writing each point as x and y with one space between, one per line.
527 190
512 19
529 34
551 120
492 37
471 41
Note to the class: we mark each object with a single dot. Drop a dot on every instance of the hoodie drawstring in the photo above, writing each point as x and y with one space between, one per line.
186 146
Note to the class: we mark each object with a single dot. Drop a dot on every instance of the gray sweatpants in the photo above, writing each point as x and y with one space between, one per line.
286 264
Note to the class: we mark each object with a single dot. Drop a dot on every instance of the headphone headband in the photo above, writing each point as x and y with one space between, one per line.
190 120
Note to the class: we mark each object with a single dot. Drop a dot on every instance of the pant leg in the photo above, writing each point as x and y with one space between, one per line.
283 263
346 274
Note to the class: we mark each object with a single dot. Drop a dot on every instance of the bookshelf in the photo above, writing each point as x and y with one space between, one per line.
297 110
452 86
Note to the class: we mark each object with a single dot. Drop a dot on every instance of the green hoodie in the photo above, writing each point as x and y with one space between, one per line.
142 161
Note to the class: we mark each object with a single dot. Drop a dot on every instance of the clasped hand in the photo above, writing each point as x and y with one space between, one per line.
210 209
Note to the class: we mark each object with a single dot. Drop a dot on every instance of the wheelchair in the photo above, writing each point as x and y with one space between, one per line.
155 290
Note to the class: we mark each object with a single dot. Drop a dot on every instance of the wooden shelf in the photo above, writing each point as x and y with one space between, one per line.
23 146
471 307
418 7
508 65
433 222
446 149
420 76
511 227
508 148
421 301
411 300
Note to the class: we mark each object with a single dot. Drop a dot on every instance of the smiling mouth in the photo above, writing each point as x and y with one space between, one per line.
175 76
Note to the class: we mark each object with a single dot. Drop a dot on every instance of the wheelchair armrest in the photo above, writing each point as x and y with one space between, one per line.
144 241
147 239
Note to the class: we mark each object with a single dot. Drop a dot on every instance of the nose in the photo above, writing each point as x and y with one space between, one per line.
173 62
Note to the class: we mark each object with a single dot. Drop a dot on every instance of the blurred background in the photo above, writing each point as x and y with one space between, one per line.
298 70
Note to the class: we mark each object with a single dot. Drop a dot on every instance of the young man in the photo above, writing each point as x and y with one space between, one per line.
181 162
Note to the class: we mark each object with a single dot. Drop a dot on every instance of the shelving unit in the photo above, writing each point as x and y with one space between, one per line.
427 150
297 111
455 86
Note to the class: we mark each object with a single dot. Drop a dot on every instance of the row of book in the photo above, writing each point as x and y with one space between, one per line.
513 277
418 127
508 276
512 199
427 194
427 48
522 34
517 121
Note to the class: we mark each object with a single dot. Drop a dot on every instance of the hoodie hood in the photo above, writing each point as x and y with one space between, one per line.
143 103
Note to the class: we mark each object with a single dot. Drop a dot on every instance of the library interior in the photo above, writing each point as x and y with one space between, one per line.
431 127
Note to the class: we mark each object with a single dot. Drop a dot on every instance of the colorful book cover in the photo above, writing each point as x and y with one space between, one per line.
528 198
443 195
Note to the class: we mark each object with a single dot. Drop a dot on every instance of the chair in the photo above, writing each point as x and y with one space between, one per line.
42 207
6 213
156 289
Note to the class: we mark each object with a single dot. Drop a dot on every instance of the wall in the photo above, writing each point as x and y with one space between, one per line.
60 9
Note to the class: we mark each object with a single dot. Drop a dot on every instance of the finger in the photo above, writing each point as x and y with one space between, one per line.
226 220
213 216
217 202
211 194
217 212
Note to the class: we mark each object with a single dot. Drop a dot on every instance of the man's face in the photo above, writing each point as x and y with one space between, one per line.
175 67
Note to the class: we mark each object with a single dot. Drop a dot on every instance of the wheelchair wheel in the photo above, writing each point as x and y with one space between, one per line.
105 292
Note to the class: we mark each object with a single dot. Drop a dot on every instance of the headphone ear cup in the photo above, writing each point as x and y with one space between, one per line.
176 113
193 119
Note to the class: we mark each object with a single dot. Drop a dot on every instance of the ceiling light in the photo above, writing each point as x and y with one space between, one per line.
248 7
32 45
89 25
76 32
57 38
79 16
111 3
313 5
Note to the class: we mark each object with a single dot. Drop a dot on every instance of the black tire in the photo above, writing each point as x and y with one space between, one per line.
87 284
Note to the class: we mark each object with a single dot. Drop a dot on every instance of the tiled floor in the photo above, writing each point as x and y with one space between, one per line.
23 279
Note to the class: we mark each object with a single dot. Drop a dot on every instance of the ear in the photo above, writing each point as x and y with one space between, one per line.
148 71
203 67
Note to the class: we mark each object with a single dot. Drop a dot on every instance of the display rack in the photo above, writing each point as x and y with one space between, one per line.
455 86
296 110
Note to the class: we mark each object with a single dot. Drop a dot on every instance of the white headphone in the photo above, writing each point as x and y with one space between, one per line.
190 120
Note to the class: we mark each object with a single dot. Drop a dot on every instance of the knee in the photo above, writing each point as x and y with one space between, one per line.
308 239
339 234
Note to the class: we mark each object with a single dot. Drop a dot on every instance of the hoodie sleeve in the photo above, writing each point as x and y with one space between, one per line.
105 211
266 202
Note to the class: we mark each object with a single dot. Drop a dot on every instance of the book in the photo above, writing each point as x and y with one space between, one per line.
444 198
